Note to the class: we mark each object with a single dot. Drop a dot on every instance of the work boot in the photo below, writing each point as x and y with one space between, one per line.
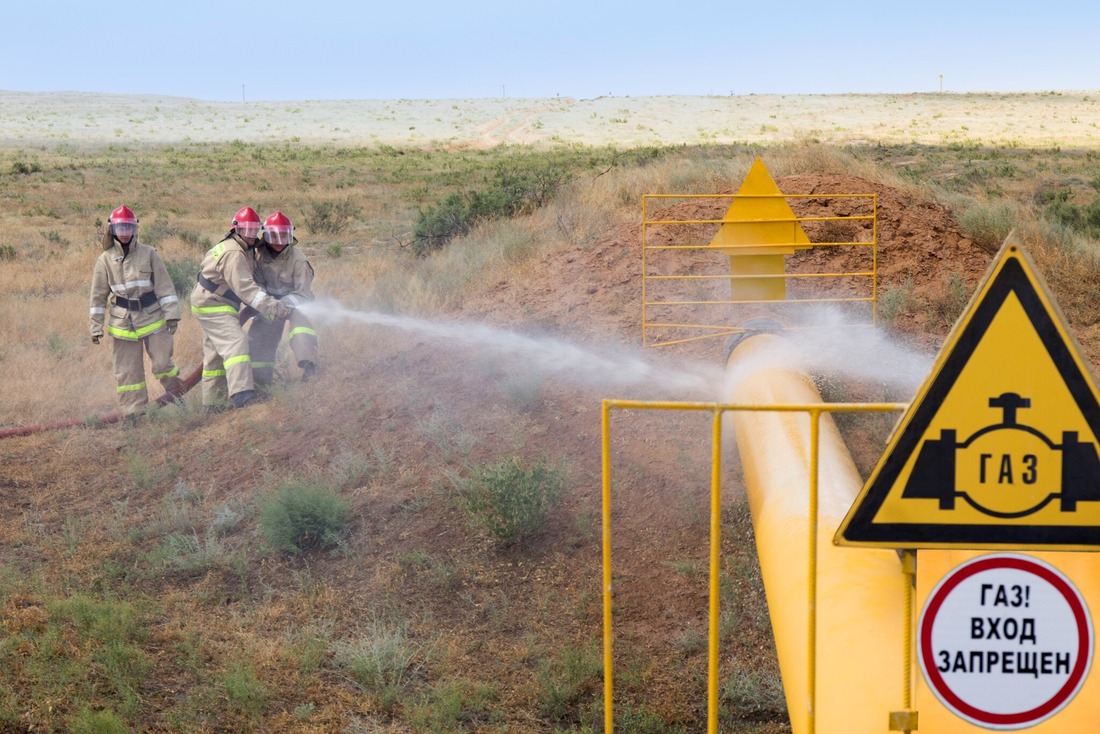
309 370
244 397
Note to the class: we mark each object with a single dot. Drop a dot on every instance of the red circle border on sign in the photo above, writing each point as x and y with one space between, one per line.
1019 563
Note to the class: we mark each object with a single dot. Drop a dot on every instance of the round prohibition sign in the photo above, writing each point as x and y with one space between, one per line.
1005 641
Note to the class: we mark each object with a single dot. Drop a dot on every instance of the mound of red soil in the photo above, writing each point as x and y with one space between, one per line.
595 289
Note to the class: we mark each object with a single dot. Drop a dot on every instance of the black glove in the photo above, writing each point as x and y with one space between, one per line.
172 324
95 339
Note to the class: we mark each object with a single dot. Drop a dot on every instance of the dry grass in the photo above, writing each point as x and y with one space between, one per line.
242 639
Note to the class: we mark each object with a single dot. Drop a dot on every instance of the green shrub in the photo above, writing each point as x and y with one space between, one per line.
509 192
754 695
156 231
97 722
567 680
382 660
245 691
331 217
988 224
897 302
23 168
106 638
454 705
510 501
1057 207
301 516
197 239
438 225
640 720
54 237
184 274
948 304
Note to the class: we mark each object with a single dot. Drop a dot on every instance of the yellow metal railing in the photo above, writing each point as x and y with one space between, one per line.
814 412
686 277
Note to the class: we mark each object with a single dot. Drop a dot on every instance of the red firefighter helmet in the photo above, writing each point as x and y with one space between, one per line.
246 223
278 230
123 223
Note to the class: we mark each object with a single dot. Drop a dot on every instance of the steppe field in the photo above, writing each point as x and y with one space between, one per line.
412 542
1065 119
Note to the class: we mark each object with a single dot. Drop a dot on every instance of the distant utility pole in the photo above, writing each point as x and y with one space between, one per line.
502 92
242 93
941 83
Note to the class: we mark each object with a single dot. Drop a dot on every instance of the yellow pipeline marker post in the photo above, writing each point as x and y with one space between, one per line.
758 232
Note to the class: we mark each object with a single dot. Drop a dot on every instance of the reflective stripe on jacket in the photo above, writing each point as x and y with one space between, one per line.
132 293
228 265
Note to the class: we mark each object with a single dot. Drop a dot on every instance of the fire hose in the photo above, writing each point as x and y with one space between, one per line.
106 418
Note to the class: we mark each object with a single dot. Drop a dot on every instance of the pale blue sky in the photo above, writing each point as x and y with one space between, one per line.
412 49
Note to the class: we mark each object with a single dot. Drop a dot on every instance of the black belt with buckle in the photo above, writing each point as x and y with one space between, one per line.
145 301
213 288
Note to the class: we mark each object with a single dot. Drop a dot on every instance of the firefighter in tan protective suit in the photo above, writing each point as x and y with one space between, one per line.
132 295
226 284
284 272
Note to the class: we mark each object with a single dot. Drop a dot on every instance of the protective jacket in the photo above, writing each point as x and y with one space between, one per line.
131 291
225 284
225 279
288 276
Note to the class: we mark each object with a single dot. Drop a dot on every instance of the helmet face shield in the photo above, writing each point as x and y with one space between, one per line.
279 235
250 230
123 230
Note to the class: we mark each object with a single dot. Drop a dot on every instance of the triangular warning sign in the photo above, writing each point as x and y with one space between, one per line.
1000 446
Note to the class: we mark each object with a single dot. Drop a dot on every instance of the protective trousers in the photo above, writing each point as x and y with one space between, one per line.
264 337
226 368
129 358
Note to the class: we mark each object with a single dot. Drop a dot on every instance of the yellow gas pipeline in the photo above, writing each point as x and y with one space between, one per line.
844 673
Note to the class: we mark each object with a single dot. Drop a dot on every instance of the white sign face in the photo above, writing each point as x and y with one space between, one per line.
1005 641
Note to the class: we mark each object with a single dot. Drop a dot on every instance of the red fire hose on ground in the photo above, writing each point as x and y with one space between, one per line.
106 418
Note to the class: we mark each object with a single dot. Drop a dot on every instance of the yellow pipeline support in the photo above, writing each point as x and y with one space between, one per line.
837 616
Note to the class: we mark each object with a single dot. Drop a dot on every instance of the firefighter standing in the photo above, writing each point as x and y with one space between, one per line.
133 293
284 272
226 284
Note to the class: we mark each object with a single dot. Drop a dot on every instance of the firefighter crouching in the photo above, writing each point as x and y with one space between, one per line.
226 284
133 296
284 272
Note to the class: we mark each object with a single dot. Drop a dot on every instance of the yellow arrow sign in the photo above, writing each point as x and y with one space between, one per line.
758 231
759 221
1000 447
